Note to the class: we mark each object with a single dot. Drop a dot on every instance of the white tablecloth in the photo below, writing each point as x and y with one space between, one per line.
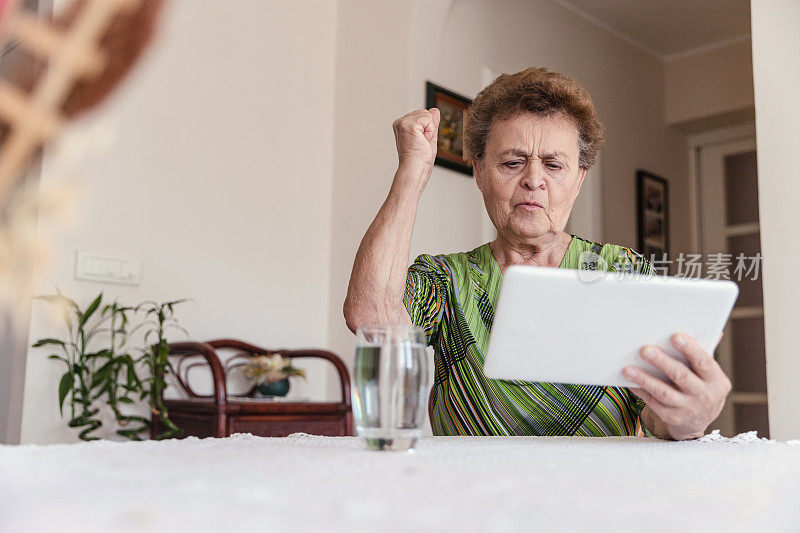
307 483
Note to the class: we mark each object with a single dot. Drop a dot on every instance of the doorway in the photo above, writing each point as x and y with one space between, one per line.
729 236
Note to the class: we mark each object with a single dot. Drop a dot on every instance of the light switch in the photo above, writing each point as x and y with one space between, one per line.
93 267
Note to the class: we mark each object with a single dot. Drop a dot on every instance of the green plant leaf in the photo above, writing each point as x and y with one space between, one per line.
67 380
100 392
101 353
45 342
102 373
91 309
133 381
124 399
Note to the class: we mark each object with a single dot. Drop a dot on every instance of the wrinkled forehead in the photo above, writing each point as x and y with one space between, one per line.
534 135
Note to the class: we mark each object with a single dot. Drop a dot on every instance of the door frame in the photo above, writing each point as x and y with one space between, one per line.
695 144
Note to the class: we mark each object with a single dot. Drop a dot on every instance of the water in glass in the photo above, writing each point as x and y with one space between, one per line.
390 385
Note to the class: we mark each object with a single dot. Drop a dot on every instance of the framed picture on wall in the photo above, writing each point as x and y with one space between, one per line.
454 110
652 202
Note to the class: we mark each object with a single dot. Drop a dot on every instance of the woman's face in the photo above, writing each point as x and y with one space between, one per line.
530 176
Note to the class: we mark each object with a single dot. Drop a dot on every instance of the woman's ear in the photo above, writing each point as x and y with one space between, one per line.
581 177
477 168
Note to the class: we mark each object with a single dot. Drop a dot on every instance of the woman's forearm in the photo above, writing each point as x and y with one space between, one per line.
375 293
377 283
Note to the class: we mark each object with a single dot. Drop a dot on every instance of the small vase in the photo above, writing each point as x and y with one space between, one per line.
276 388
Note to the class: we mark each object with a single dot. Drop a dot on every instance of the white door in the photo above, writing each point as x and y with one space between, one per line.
728 224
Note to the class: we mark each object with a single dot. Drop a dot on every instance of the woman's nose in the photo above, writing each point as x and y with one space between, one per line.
533 177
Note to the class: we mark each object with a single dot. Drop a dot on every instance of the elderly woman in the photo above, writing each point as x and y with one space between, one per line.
531 137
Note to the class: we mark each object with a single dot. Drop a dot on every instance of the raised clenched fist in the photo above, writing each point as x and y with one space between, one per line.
415 135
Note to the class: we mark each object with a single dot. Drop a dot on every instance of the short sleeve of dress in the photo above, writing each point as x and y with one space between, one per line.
628 261
638 405
425 295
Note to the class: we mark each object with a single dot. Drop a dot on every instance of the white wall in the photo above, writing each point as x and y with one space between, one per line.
717 82
776 71
451 43
371 70
219 181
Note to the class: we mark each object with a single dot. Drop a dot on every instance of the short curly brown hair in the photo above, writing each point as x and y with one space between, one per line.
537 91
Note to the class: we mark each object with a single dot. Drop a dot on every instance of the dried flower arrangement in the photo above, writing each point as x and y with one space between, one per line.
271 368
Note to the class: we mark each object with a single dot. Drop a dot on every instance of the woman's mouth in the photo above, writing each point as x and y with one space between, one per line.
530 206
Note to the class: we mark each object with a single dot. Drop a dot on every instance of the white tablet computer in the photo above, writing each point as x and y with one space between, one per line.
569 326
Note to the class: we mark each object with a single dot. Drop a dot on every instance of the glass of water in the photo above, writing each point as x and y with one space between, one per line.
390 385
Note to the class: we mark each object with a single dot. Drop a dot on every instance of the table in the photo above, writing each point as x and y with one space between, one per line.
309 483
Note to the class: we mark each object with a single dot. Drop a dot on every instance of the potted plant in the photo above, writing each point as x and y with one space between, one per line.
270 373
102 370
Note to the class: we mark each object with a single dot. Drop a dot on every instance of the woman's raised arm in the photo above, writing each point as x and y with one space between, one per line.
377 283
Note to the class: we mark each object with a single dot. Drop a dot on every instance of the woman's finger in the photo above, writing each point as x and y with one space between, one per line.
658 408
657 389
437 116
670 416
680 374
667 414
701 362
428 125
648 398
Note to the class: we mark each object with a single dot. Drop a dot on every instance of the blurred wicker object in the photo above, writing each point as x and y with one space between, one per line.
85 52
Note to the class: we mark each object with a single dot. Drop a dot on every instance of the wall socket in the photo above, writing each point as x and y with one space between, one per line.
102 268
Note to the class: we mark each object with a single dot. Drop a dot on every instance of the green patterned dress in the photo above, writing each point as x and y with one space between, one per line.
452 297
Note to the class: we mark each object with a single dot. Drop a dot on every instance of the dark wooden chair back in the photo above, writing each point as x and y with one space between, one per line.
215 414
248 350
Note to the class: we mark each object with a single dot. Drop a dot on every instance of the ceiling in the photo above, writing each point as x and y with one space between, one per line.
668 28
